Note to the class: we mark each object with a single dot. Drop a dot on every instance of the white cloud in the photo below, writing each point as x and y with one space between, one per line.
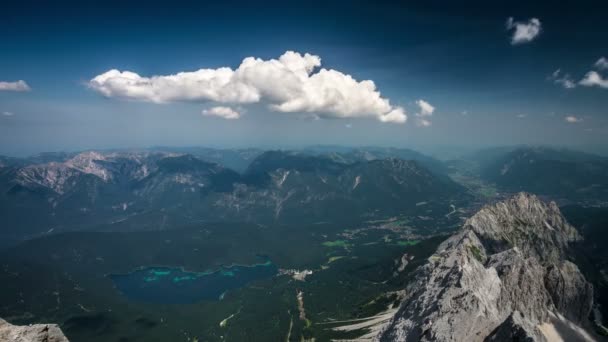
602 63
396 115
562 79
592 78
423 123
521 116
288 84
425 111
222 112
523 32
8 113
573 119
14 86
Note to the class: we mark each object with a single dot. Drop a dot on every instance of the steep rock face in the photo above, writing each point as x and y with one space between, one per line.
504 276
30 333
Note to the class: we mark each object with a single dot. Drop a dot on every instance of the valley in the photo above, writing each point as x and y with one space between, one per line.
80 287
161 245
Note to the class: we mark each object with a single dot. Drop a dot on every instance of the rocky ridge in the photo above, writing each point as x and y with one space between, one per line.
31 333
505 276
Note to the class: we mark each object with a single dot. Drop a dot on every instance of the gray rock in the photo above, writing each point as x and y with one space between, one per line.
503 277
30 333
516 328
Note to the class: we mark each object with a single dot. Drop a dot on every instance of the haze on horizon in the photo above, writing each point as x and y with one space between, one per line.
430 76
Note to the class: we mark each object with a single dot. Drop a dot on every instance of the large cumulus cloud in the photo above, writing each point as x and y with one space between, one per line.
290 84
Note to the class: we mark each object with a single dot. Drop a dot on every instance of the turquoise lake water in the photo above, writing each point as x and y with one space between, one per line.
174 285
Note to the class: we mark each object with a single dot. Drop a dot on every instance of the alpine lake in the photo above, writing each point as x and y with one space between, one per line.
175 285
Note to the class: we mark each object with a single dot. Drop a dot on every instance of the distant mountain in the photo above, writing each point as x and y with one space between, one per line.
297 185
563 173
506 276
295 161
235 159
48 157
357 154
129 190
182 180
90 188
10 161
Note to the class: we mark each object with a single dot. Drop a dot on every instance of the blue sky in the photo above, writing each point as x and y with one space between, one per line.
458 58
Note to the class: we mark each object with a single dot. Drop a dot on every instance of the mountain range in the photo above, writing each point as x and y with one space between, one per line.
510 273
129 190
558 173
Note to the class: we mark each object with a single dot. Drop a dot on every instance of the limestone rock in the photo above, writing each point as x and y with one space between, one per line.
30 333
504 277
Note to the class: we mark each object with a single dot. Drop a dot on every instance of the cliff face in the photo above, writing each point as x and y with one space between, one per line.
30 333
504 276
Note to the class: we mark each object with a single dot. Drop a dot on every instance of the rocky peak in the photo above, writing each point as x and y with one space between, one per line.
504 276
89 163
525 222
55 176
31 333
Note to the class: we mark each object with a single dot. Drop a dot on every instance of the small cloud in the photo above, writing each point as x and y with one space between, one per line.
573 119
14 86
523 32
521 116
464 113
602 63
426 110
423 123
222 112
592 79
8 113
348 125
562 79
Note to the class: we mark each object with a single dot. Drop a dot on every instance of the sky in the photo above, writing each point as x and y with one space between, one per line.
103 74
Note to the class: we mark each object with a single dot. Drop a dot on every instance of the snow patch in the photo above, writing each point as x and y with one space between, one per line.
357 182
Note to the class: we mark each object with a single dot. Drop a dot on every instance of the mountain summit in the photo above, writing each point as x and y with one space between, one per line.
504 276
31 333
